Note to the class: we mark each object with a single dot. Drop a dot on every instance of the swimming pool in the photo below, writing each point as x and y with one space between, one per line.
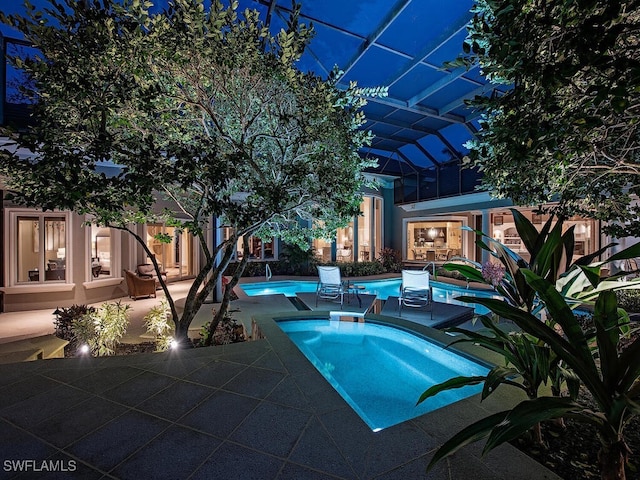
380 370
442 292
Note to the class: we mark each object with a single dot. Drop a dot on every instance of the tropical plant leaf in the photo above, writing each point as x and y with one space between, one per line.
575 357
592 257
497 376
605 318
526 231
630 252
569 242
527 414
546 261
560 312
591 273
575 352
603 286
456 382
468 271
630 359
474 432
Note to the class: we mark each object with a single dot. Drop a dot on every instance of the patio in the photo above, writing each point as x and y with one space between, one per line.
257 409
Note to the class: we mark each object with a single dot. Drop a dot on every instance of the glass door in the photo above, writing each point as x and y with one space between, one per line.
175 258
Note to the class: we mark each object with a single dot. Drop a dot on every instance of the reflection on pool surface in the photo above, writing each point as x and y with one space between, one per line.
380 370
383 289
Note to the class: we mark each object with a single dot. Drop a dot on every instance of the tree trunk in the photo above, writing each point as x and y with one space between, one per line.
612 460
182 334
196 297
226 298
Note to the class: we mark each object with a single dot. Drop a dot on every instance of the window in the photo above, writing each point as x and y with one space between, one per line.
370 229
259 248
433 240
344 244
102 253
40 241
175 258
360 239
364 230
322 250
504 231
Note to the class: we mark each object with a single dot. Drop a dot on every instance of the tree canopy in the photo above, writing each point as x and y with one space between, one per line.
568 129
200 106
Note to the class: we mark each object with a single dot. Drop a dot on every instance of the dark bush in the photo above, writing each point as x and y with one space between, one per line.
295 261
390 259
64 318
358 269
629 300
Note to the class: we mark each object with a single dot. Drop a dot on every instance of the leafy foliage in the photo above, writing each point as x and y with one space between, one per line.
390 259
293 260
556 349
629 300
102 329
64 318
200 108
568 128
157 324
357 269
227 331
550 253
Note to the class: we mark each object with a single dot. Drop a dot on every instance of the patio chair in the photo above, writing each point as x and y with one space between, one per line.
147 270
330 285
415 290
138 286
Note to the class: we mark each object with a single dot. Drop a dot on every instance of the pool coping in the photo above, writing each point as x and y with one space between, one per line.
457 284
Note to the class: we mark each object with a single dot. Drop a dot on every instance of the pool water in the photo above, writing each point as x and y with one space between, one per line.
380 370
383 289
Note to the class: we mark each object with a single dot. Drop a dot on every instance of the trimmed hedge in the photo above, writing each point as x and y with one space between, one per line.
358 269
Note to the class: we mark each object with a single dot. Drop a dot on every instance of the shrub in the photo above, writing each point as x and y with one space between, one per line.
64 320
252 269
228 330
102 329
358 269
294 260
157 324
629 300
390 259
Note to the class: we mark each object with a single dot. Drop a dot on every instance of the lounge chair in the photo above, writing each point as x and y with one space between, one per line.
138 286
415 290
330 284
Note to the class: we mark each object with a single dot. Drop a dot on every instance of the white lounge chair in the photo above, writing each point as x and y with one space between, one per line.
415 290
330 284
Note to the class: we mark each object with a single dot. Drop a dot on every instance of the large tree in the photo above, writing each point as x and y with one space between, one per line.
568 130
199 106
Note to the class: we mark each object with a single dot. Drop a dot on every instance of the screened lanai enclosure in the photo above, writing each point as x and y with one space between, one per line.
421 126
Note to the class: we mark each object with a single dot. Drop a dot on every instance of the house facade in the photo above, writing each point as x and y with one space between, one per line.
57 259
